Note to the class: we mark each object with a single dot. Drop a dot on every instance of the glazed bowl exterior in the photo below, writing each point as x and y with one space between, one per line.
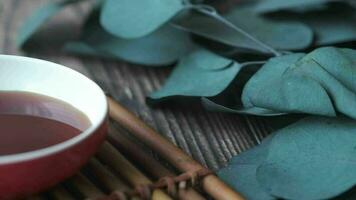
27 173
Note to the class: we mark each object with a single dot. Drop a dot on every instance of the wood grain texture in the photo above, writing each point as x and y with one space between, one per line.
211 138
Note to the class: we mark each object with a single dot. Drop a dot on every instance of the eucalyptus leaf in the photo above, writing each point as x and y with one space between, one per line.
230 99
162 47
136 18
281 34
201 74
349 195
332 24
241 172
213 106
34 22
311 159
321 82
255 155
264 6
82 48
242 178
281 121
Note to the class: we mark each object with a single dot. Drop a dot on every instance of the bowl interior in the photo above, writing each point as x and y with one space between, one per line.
53 80
50 79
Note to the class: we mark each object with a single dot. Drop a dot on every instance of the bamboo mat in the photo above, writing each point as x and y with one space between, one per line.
210 138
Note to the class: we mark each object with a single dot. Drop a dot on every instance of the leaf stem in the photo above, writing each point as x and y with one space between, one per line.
211 12
244 64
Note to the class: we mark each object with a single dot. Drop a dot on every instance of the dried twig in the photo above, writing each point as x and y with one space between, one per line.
211 184
37 197
85 187
121 165
145 160
60 193
108 179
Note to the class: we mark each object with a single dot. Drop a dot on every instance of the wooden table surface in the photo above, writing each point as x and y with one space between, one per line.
211 138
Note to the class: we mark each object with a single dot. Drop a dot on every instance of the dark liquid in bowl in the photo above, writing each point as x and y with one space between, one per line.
29 121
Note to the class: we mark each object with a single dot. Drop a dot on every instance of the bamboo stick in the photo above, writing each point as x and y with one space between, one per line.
182 161
105 177
131 149
36 197
151 165
120 164
59 193
85 187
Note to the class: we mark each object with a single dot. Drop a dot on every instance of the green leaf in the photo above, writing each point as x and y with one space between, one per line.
334 24
278 122
213 106
241 172
34 22
162 47
137 18
201 74
331 23
265 6
281 34
230 99
349 195
322 82
83 48
311 159
255 155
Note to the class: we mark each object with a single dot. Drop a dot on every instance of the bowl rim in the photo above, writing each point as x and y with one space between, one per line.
47 151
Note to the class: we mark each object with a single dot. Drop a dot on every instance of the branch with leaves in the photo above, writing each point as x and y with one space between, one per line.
242 61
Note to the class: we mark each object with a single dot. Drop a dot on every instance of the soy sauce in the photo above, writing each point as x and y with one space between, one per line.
30 121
